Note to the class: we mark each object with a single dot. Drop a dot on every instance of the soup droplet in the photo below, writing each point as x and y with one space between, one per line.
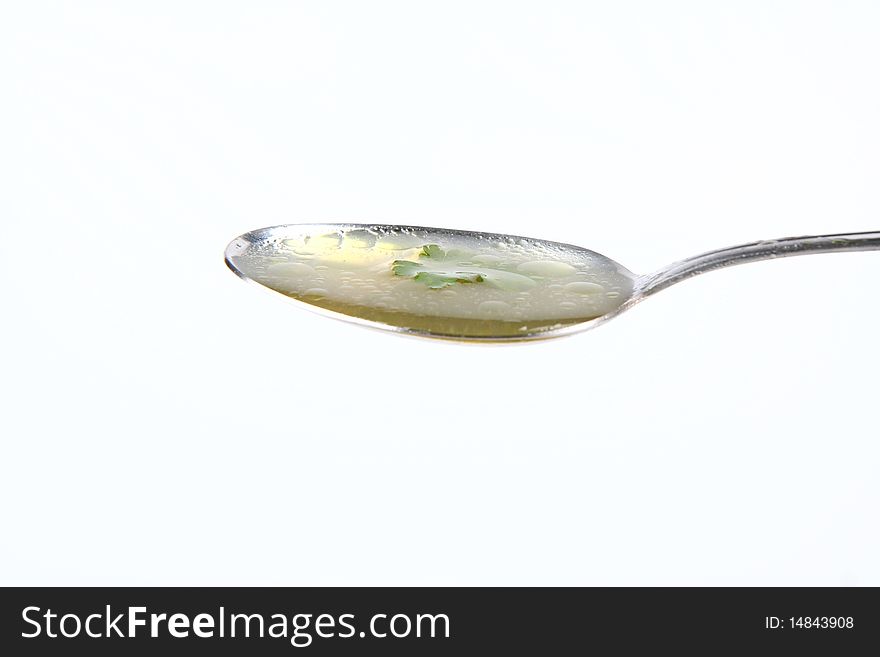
583 287
546 268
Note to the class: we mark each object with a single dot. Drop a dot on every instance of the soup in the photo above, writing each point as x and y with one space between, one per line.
434 281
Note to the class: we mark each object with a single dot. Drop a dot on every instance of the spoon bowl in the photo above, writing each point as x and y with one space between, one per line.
472 286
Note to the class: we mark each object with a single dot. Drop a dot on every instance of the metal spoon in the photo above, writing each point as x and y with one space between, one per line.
463 285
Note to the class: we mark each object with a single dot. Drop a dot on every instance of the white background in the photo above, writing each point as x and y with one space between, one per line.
164 423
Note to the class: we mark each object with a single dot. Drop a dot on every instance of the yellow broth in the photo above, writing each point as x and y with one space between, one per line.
437 282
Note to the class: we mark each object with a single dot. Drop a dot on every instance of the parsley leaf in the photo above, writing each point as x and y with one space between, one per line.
434 278
437 280
432 251
437 276
439 269
406 268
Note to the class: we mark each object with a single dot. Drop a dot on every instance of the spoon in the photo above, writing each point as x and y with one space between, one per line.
463 285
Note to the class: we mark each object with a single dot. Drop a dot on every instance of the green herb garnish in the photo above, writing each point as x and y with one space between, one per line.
435 277
438 269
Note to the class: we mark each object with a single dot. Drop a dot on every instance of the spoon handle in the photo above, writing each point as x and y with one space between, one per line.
735 255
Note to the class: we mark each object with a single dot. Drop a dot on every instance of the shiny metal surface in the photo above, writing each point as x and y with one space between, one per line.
264 239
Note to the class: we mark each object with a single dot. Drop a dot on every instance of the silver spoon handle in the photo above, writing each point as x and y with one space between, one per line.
736 255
